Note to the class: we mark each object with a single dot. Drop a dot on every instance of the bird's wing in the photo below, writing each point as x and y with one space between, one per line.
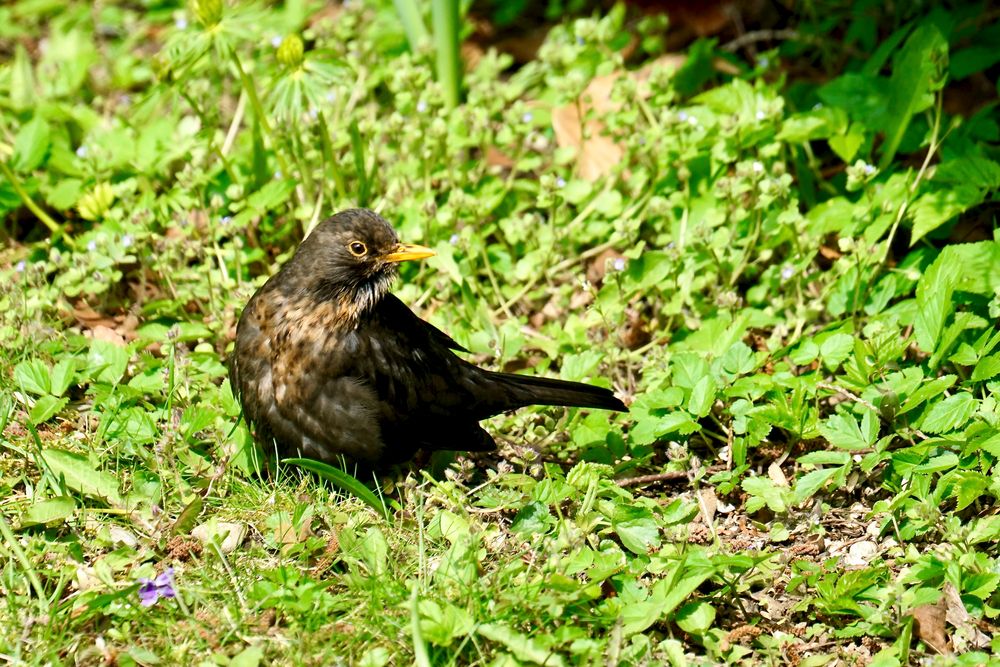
397 309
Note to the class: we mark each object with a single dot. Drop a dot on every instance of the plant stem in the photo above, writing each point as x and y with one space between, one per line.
26 199
446 36
413 24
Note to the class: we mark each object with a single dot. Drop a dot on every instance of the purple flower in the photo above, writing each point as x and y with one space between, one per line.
151 590
560 182
20 266
527 116
454 239
619 264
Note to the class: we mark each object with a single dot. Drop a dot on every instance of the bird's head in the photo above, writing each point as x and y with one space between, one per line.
352 255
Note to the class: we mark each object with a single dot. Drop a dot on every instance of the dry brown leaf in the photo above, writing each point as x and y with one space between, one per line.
597 153
929 626
107 334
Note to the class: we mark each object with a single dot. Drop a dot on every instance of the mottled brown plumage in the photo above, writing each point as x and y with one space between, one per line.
328 364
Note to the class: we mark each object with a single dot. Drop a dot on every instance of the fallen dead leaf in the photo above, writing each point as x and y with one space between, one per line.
598 153
929 626
107 334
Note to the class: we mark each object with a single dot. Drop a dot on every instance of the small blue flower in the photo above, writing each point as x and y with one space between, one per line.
81 151
92 246
276 41
526 117
181 23
151 590
817 106
869 169
682 116
787 272
331 96
560 182
760 115
619 264
226 219
127 240
20 266
421 106
454 239
764 62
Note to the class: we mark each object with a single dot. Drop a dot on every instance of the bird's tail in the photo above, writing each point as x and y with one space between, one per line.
533 390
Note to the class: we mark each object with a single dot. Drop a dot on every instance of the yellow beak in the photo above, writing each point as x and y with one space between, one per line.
405 251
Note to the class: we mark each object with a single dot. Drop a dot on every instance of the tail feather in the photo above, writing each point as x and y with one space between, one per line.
534 390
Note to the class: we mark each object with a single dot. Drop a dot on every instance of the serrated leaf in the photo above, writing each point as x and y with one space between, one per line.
33 376
987 368
80 476
950 413
920 70
935 208
843 430
811 482
45 408
702 397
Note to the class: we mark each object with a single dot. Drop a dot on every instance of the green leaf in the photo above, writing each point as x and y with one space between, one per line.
950 413
62 375
835 349
702 397
933 209
106 361
523 648
846 145
248 657
45 408
919 71
636 528
934 303
344 481
935 387
31 144
986 368
695 618
843 430
79 475
986 529
764 492
48 511
33 376
811 482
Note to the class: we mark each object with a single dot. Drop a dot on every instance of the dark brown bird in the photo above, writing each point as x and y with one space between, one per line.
329 364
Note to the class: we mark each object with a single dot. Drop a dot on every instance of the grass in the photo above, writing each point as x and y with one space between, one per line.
807 341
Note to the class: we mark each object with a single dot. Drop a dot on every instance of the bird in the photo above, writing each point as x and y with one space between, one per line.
329 365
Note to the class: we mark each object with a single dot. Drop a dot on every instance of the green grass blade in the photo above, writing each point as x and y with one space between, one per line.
413 23
343 481
446 42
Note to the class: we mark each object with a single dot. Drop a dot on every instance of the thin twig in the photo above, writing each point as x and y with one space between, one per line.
670 476
843 392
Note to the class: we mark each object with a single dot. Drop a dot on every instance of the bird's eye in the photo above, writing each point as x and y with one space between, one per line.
357 248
